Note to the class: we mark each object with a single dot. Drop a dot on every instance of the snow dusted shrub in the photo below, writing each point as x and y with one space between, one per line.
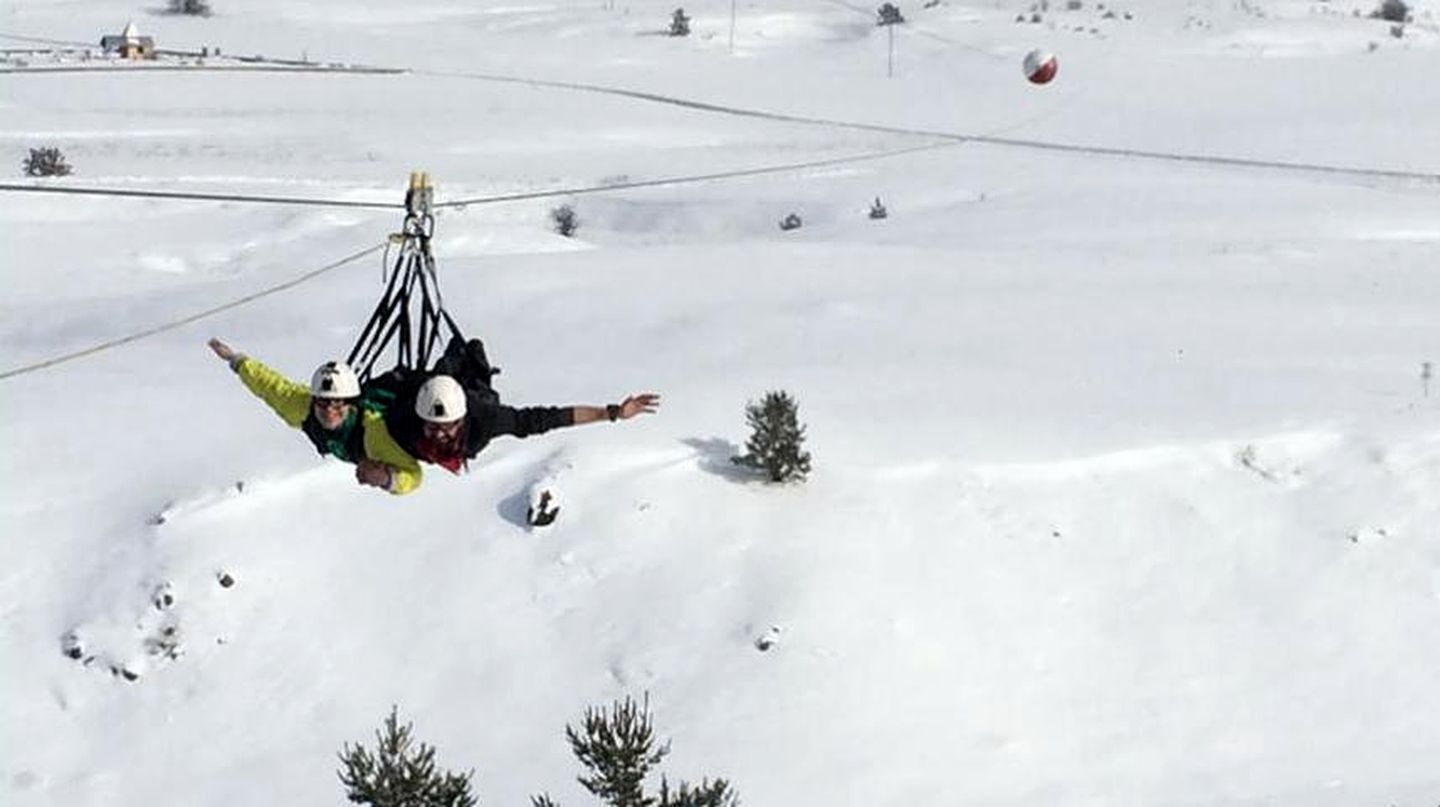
618 749
1392 11
564 220
775 439
679 23
46 162
400 773
790 222
193 8
877 209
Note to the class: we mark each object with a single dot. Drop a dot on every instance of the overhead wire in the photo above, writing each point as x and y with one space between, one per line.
489 199
947 138
44 41
173 324
959 137
689 179
195 196
702 106
269 67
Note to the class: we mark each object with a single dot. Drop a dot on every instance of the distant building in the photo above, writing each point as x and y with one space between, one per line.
129 44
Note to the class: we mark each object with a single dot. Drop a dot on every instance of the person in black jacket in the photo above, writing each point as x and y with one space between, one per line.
455 413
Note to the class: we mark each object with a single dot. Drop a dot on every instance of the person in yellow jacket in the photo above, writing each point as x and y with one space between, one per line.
330 413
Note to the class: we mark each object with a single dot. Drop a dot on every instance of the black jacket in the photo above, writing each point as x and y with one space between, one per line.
485 419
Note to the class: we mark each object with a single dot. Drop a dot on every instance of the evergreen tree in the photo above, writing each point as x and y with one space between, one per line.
775 439
889 14
618 749
565 220
46 162
679 23
400 774
1392 11
194 8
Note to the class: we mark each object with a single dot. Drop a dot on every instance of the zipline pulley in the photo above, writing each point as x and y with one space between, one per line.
410 282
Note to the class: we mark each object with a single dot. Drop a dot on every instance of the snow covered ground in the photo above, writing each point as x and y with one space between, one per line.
1127 481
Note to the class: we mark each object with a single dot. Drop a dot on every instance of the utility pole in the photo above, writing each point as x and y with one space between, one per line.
732 26
890 59
890 16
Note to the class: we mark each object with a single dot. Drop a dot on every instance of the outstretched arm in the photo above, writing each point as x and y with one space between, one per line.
289 399
644 403
496 419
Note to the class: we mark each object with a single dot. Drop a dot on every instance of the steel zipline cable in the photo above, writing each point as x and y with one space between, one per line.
478 200
461 203
947 139
169 326
693 178
194 196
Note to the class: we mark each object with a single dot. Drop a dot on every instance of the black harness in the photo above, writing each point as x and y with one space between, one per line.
411 284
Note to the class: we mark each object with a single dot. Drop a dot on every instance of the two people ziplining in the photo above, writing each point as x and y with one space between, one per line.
444 415
387 427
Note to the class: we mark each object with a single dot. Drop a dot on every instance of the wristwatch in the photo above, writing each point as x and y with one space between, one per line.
612 411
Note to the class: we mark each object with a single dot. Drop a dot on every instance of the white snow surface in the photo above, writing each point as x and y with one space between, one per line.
1126 482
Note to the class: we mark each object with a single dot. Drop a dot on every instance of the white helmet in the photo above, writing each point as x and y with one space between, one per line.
334 379
440 400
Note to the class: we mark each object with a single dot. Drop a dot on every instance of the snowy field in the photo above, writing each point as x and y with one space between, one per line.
1126 481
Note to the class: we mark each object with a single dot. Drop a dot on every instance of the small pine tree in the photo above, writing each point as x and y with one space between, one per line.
877 210
193 8
775 439
679 23
400 774
889 14
1392 11
565 220
618 749
46 162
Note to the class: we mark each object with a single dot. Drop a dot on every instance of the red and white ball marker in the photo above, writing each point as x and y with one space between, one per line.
1040 66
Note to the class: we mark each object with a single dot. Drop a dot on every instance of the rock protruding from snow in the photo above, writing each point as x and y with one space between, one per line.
107 644
544 507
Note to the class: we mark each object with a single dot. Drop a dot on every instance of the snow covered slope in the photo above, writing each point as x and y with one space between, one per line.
1126 475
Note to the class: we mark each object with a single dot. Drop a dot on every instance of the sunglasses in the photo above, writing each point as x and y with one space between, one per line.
332 403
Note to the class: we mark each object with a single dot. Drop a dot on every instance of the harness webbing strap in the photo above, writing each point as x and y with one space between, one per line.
412 279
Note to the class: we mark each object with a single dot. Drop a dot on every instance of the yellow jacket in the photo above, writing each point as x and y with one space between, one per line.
291 401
